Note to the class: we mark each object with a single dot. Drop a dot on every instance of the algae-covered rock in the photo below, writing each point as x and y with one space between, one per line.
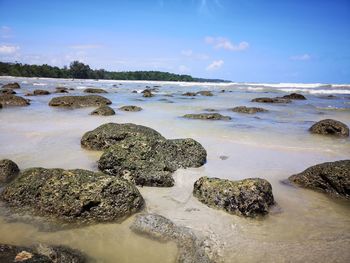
248 110
330 127
108 134
94 90
61 90
7 91
330 177
103 111
295 96
8 170
189 94
79 101
151 162
191 248
13 100
38 92
130 108
72 195
40 253
147 93
207 116
249 197
13 85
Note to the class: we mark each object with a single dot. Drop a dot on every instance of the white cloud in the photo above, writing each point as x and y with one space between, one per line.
216 64
190 54
224 43
85 46
301 57
8 49
183 69
187 52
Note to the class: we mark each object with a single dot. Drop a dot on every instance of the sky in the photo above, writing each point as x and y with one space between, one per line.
240 40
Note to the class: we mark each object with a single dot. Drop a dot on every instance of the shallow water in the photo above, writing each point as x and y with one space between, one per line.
305 226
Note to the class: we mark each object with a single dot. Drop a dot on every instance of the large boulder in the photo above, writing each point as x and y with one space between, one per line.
8 170
103 111
78 195
330 127
13 85
294 96
191 249
130 108
109 134
79 101
248 110
207 116
151 162
13 100
330 177
40 253
249 197
272 100
93 90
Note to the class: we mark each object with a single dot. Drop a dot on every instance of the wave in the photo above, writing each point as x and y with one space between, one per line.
318 91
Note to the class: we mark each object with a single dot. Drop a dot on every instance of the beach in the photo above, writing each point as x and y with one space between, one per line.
303 226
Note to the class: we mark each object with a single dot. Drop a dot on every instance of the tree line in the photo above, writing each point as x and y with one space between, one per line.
79 70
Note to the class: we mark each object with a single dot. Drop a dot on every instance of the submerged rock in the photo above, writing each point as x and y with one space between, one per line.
61 90
205 93
72 195
147 93
330 177
330 127
248 110
13 100
13 85
207 116
294 96
8 170
109 134
190 94
38 92
272 100
93 90
191 249
141 155
79 101
40 254
130 108
249 197
7 91
103 111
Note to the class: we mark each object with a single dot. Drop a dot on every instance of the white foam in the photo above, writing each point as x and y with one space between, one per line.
39 84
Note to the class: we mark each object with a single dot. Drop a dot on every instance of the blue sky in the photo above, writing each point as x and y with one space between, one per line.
239 40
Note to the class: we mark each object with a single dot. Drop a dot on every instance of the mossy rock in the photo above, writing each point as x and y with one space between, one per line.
79 101
207 116
13 100
103 111
330 127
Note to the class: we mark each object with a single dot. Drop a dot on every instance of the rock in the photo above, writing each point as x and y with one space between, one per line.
331 177
330 127
109 134
141 155
147 93
148 162
40 253
190 94
79 101
13 100
130 108
93 90
295 96
78 195
134 91
38 92
13 85
248 110
210 110
207 116
249 197
272 100
7 91
191 249
205 93
0 106
8 170
61 90
103 111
